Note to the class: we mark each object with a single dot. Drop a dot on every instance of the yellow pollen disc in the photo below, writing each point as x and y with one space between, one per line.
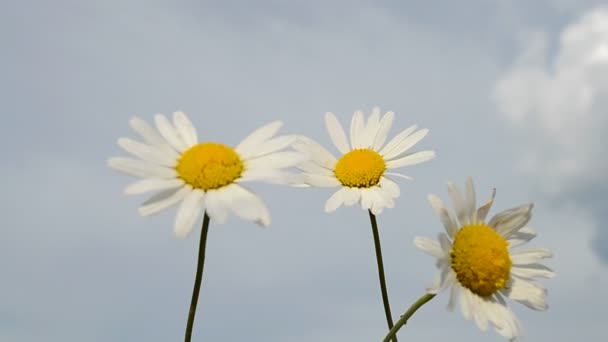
209 166
361 168
480 258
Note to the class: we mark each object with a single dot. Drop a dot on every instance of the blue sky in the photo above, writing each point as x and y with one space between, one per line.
514 94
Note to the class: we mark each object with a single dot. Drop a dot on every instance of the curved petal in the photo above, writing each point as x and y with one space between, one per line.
482 212
188 213
317 153
397 140
471 202
524 235
278 160
185 128
140 168
383 128
336 133
270 146
530 256
218 204
371 129
248 206
459 204
161 156
170 134
511 220
357 130
148 133
411 159
390 187
163 200
257 137
527 293
531 271
449 223
336 200
406 144
429 246
153 184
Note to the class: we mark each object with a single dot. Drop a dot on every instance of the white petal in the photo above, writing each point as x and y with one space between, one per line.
528 294
445 216
336 133
383 128
380 200
454 294
459 204
141 168
429 246
185 128
147 132
530 256
524 235
471 202
272 176
336 200
270 146
406 144
511 220
163 200
188 213
165 157
482 212
321 181
466 303
411 159
314 168
153 184
170 134
352 196
445 244
218 205
399 175
531 271
247 205
357 130
257 137
390 187
398 139
367 199
443 280
371 128
316 152
278 160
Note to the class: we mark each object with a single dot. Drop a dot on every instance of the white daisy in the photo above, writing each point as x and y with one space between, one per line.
477 262
203 176
362 171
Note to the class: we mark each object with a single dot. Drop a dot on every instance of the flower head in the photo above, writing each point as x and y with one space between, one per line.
205 176
363 172
478 264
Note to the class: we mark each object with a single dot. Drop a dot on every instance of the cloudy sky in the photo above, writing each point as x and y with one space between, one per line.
514 94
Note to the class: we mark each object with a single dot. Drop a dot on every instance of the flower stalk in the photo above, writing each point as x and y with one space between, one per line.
403 320
198 278
385 301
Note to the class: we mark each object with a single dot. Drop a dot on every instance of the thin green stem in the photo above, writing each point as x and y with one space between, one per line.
403 320
199 277
387 307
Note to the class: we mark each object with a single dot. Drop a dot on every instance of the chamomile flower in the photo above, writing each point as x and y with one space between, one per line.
478 264
364 171
203 176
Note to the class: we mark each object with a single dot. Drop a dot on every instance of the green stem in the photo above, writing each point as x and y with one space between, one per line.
199 277
403 320
387 307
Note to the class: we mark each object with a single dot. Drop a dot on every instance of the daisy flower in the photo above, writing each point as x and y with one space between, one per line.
364 171
205 177
478 264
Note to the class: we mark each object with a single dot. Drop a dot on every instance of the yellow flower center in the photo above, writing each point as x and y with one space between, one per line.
361 168
480 258
209 166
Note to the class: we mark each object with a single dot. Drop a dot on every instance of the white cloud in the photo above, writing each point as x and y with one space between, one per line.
559 106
